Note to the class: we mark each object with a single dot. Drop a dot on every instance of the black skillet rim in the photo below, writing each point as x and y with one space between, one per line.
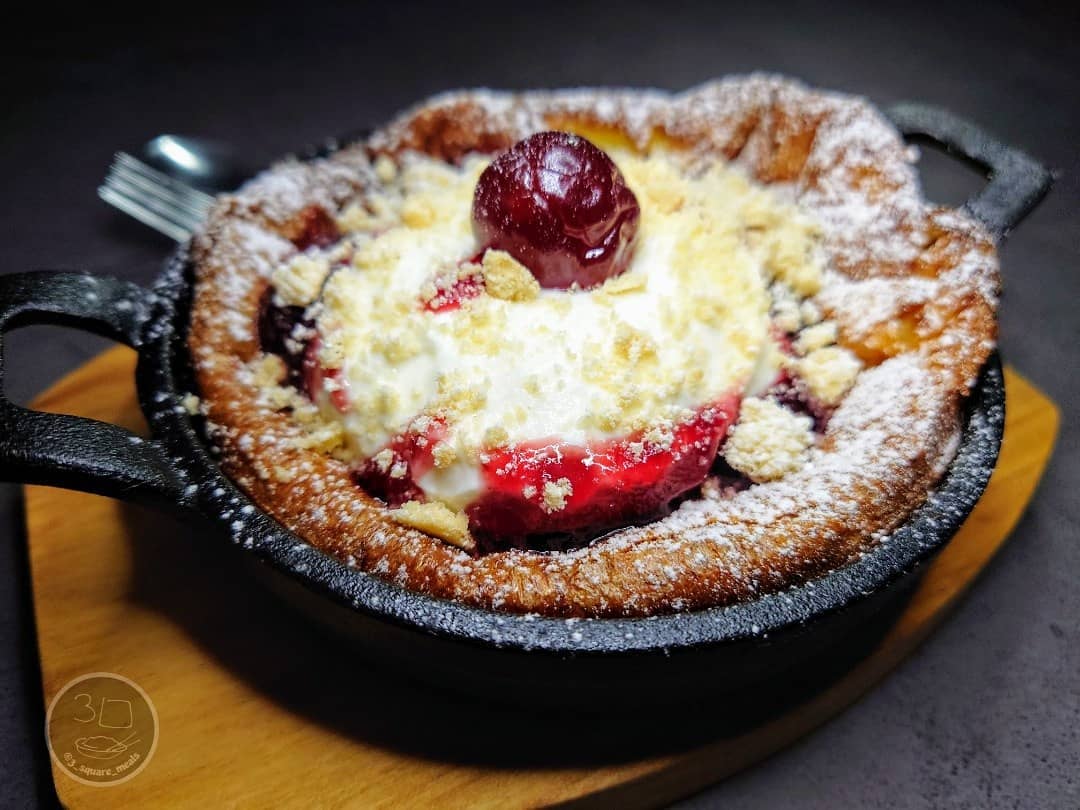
164 378
175 471
1016 184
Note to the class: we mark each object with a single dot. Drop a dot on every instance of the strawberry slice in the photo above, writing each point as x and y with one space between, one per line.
548 487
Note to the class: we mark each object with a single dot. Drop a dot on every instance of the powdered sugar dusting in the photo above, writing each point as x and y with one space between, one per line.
891 438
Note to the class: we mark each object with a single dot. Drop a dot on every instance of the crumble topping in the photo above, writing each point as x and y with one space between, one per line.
385 169
505 361
267 371
506 278
829 372
409 324
556 493
816 336
298 283
769 441
384 459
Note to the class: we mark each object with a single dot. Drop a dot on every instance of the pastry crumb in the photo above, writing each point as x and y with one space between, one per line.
326 438
496 436
810 312
443 455
816 337
385 169
829 372
298 283
768 441
417 213
190 403
437 520
506 278
556 493
267 371
786 315
383 459
625 283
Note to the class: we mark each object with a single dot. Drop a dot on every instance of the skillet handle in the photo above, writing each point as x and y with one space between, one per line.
72 451
1017 181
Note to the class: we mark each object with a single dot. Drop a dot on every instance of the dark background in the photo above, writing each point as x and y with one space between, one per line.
987 712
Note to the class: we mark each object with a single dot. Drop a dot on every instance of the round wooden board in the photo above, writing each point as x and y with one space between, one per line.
259 709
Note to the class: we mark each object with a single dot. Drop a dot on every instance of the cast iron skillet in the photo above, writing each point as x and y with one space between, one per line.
599 660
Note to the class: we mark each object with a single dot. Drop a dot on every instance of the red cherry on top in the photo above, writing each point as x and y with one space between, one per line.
560 206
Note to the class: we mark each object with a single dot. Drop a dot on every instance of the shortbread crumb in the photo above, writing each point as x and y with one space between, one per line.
326 438
385 169
383 459
190 403
625 283
418 213
769 441
556 493
506 278
829 372
436 519
267 371
816 337
298 283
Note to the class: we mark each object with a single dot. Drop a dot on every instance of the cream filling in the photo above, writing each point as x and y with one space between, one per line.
686 324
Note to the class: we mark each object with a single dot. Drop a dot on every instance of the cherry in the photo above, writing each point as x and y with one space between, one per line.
791 392
276 325
612 483
412 457
316 377
560 206
727 476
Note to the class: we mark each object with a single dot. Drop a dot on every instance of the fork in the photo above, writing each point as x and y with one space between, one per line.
166 204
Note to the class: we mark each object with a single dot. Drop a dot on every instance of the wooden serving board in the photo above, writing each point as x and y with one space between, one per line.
257 708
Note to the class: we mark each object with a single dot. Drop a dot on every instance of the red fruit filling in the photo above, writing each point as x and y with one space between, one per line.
560 206
395 482
449 293
612 483
276 325
315 228
791 392
317 378
728 477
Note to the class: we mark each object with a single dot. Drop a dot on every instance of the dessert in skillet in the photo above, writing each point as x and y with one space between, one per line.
594 352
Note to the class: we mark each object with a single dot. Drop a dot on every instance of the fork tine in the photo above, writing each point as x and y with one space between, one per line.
163 180
190 200
165 206
159 223
150 198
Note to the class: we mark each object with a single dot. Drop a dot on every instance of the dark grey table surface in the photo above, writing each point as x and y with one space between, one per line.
987 712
